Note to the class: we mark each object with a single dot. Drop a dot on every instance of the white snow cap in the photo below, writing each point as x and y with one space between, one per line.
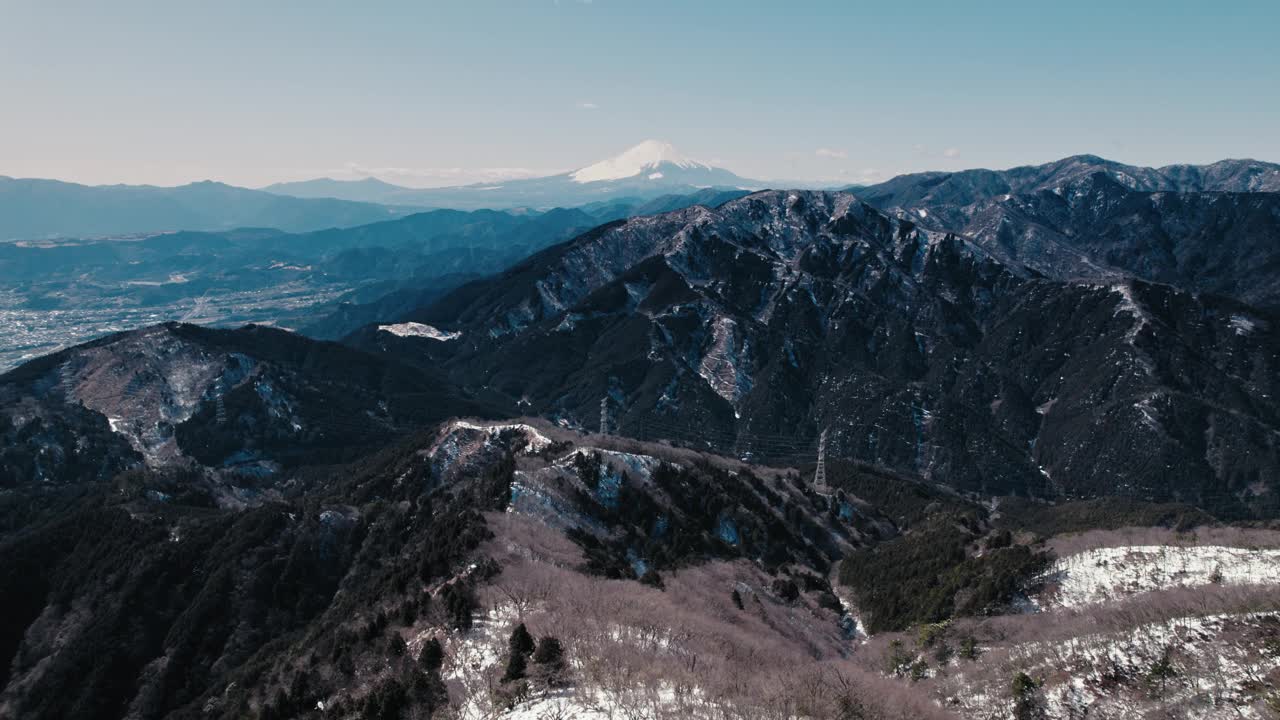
644 157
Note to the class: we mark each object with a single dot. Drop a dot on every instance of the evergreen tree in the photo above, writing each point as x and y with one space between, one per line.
1027 704
396 646
428 692
432 656
516 666
1161 671
385 702
521 642
549 662
549 652
652 579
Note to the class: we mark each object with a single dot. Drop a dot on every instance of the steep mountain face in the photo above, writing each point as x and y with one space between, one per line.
32 209
469 252
242 403
648 170
1222 243
782 314
1204 228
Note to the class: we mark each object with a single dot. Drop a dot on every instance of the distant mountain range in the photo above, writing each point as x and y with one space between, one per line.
41 209
655 168
38 209
648 170
31 209
367 190
968 186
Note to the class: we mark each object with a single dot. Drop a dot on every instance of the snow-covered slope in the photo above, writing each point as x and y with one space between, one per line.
1107 574
1192 666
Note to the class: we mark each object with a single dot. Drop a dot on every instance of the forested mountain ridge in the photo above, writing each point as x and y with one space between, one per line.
795 312
1201 228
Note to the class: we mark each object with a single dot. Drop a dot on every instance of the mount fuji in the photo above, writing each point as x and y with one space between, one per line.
648 170
655 161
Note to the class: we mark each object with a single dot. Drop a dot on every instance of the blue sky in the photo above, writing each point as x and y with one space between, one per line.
432 93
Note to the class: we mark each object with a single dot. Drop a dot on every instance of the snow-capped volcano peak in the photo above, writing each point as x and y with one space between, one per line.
645 157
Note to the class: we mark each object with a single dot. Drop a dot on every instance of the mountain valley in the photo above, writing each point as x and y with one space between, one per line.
327 283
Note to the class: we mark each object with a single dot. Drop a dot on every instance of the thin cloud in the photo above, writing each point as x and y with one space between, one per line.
831 154
436 176
869 176
951 152
587 105
856 176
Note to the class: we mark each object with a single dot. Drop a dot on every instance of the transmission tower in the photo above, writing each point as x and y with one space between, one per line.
820 473
220 404
604 416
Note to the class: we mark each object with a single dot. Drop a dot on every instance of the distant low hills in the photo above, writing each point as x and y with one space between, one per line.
34 208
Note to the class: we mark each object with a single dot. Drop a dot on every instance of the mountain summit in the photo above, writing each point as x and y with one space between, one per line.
648 157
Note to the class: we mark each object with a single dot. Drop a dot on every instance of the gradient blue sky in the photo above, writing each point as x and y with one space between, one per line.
432 93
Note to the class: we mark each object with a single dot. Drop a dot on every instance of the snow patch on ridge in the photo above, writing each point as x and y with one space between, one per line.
1129 305
1243 325
537 441
722 366
413 329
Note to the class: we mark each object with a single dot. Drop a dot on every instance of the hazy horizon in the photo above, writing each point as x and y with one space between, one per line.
432 95
445 184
